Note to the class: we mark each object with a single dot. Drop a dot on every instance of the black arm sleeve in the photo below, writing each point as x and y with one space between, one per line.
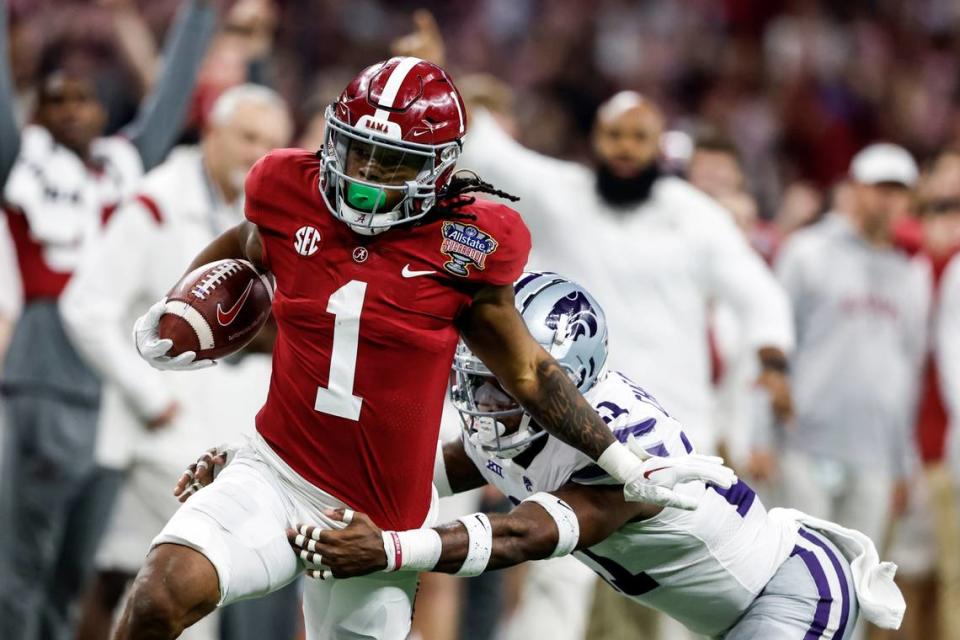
158 122
9 131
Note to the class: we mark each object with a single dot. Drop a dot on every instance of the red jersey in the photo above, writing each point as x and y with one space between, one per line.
366 334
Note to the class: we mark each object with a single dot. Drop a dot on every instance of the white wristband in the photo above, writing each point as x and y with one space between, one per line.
413 550
568 527
480 534
420 549
619 462
391 547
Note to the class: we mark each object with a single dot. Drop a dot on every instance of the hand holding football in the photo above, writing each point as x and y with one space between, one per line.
216 309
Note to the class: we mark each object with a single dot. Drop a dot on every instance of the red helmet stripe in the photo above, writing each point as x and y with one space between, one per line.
392 87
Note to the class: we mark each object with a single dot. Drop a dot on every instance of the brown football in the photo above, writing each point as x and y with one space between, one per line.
216 309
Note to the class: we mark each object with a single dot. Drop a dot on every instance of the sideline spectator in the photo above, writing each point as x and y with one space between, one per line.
861 308
60 181
936 591
151 424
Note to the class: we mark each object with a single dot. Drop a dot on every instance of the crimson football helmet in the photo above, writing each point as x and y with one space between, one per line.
393 138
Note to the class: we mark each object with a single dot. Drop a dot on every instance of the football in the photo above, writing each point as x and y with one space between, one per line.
216 309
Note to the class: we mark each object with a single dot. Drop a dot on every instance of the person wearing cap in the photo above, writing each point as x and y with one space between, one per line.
860 308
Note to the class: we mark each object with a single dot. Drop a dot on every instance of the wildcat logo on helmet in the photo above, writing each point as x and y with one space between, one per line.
581 317
466 245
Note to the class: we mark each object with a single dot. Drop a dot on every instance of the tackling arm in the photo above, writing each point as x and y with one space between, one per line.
543 526
530 532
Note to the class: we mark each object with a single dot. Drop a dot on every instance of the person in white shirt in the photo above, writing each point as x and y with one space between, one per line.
149 422
656 249
861 308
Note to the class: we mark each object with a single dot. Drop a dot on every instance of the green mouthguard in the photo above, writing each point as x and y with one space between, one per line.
365 198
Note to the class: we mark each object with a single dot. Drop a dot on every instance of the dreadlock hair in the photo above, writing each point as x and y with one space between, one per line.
451 198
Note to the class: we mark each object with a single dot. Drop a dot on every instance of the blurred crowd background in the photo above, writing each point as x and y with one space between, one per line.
798 85
765 103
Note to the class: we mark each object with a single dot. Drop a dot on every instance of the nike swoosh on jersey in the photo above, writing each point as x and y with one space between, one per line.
406 272
226 318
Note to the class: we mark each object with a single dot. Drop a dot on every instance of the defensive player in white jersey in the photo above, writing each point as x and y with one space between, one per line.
728 569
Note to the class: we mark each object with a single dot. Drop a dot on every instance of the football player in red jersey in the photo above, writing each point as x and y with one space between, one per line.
381 263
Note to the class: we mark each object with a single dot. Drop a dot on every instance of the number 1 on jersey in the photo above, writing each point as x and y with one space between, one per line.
337 398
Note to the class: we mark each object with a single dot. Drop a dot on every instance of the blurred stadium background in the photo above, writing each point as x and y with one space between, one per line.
777 96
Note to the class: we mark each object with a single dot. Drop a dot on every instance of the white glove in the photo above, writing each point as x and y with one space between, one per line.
152 348
651 479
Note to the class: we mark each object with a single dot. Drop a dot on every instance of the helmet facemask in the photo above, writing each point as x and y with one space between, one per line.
373 182
491 419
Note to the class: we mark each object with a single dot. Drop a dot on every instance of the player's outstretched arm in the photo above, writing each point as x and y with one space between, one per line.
546 525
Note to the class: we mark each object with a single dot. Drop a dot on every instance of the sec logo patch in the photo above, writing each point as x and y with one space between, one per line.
306 241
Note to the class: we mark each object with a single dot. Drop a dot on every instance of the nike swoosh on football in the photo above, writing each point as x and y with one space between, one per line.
226 318
407 273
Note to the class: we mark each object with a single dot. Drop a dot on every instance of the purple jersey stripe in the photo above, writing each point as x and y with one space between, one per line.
686 442
636 429
739 495
841 578
822 613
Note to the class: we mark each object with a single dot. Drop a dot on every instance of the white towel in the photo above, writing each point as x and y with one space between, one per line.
880 599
